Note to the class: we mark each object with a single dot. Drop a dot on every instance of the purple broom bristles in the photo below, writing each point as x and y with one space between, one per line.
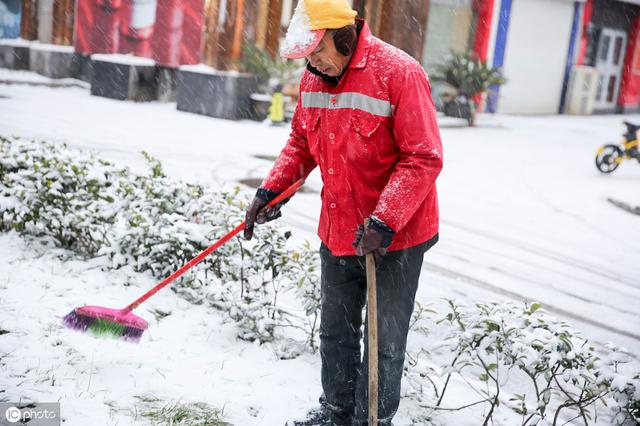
77 322
132 334
80 322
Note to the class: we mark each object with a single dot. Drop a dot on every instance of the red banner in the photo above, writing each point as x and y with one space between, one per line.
167 31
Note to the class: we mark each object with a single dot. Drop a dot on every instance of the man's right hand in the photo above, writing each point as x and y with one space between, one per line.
258 212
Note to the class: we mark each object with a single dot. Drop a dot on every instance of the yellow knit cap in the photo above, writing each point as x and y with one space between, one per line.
329 14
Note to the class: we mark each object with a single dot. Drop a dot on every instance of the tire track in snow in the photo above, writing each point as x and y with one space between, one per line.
466 279
549 254
528 262
579 219
542 284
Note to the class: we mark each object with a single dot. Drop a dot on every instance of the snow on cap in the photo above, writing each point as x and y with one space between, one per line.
309 23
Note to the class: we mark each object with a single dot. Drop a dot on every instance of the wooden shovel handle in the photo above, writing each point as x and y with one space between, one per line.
372 336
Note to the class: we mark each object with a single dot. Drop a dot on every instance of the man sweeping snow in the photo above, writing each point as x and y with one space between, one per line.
365 116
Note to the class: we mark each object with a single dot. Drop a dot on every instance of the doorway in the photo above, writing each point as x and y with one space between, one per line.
609 62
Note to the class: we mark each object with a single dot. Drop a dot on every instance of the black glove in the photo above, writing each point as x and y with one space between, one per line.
259 213
376 237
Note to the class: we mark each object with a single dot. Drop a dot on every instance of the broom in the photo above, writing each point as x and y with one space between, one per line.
122 323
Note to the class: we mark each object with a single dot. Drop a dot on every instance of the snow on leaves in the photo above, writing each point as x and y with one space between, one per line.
51 191
156 224
532 363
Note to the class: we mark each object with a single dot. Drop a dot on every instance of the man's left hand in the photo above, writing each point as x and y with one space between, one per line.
260 212
376 237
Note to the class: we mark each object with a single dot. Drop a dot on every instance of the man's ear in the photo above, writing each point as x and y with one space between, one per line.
345 39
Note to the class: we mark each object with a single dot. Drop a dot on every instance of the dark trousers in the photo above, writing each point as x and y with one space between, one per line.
344 290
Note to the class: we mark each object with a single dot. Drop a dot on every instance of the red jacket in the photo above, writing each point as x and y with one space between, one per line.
376 140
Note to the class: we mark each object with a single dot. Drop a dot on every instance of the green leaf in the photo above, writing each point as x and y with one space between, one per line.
534 307
492 326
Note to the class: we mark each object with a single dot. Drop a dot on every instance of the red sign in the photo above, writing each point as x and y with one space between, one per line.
635 65
167 31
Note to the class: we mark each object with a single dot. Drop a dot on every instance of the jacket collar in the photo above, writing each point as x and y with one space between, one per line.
361 54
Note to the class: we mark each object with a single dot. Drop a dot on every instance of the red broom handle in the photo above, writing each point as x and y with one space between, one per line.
193 262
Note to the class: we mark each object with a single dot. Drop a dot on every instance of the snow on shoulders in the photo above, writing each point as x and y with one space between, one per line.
394 59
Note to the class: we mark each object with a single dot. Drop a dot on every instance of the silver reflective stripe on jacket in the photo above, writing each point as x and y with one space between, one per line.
347 100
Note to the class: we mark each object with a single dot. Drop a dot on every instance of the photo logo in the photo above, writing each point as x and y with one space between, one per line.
41 413
12 415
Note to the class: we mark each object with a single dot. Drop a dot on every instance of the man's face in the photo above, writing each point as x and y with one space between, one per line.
326 59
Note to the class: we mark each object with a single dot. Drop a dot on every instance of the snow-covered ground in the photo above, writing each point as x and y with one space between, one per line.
524 216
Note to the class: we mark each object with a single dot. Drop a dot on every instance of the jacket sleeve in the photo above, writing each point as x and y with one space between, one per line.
295 160
416 134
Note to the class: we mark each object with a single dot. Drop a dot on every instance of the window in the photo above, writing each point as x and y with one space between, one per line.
604 47
599 90
617 51
611 88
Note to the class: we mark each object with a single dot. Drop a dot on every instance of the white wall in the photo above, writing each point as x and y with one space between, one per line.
495 18
45 21
535 56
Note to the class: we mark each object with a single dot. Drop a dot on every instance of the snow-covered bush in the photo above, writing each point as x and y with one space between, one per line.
153 233
419 370
262 271
625 391
304 272
157 224
50 190
558 374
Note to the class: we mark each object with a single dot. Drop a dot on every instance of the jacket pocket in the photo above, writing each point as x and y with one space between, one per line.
365 125
364 143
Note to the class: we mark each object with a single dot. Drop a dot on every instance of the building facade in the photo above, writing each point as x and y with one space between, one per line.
539 44
609 43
